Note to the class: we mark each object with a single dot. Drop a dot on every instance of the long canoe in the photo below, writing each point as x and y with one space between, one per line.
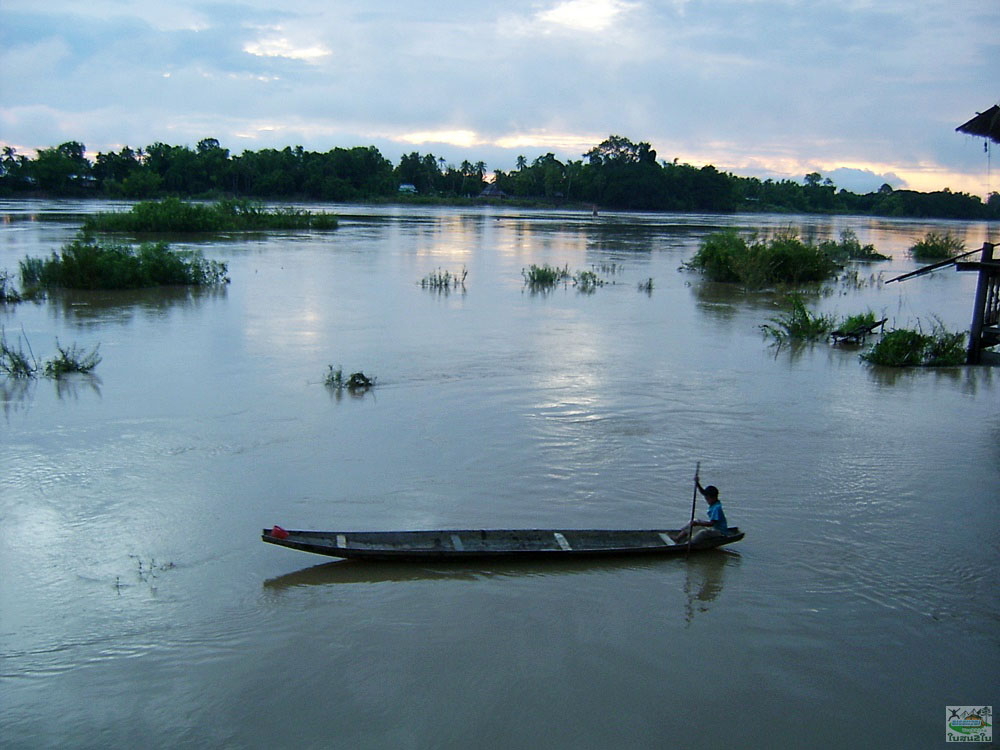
461 544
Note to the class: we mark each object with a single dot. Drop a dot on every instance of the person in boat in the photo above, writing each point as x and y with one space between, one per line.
716 516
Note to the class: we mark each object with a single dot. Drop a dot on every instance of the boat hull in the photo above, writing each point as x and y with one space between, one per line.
467 544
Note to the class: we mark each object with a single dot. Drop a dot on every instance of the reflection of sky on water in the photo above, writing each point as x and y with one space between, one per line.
861 489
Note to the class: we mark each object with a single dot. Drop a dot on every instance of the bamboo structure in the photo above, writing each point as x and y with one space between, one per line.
985 329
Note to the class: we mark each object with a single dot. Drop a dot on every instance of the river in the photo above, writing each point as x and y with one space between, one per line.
138 606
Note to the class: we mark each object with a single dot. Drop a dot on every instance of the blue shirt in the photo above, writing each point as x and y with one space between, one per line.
717 517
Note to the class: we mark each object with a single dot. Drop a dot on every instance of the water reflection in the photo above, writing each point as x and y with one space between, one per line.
703 576
15 393
123 305
704 579
70 386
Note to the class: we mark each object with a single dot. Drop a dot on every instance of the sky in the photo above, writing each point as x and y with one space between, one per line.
864 92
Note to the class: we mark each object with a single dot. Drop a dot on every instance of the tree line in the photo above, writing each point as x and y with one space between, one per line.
617 174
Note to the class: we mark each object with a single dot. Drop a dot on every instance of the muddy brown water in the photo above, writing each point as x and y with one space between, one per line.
138 606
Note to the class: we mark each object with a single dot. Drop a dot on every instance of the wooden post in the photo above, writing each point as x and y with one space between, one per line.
979 308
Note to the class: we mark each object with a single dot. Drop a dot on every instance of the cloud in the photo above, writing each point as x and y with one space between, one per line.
584 15
281 46
781 86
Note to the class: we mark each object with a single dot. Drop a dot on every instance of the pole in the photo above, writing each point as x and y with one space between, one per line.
975 349
932 267
694 501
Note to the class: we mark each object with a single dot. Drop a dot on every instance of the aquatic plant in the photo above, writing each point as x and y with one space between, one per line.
587 281
544 277
356 381
72 359
8 294
16 363
174 215
646 286
857 322
444 281
756 263
88 264
937 246
850 248
906 347
798 323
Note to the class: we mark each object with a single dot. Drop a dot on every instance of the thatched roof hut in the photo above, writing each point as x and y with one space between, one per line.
985 124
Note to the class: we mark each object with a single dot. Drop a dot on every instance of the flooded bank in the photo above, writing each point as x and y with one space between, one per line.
137 604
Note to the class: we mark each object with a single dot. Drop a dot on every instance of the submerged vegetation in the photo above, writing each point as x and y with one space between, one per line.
8 293
756 263
850 248
355 382
72 359
937 246
18 363
173 215
587 281
906 347
539 278
798 324
444 281
86 263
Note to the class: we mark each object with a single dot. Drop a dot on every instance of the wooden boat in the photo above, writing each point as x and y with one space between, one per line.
464 544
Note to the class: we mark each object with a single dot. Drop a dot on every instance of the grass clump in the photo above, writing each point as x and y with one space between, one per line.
356 381
756 262
587 281
797 323
937 246
906 347
444 281
544 277
88 264
173 215
72 359
858 321
18 364
850 248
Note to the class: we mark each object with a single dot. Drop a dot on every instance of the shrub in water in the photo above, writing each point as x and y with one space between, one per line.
757 263
87 264
72 360
173 215
908 348
937 246
850 248
798 323
14 363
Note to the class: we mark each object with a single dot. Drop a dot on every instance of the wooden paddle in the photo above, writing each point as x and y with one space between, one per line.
694 502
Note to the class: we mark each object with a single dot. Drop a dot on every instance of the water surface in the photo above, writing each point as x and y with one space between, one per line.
138 606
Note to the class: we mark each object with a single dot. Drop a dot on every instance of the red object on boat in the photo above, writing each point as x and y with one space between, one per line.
279 533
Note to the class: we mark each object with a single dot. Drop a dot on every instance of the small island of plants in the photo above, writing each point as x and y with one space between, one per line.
173 215
86 263
756 262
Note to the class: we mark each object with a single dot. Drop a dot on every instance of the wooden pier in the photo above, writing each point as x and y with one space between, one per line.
985 329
